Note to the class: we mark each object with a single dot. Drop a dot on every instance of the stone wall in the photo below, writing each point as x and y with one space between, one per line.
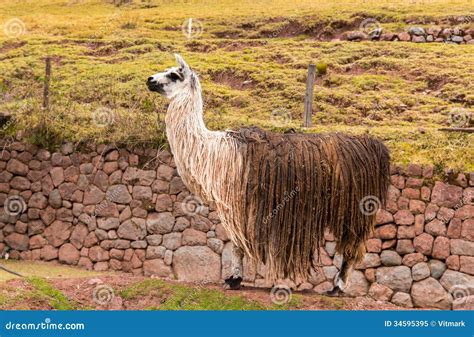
372 31
104 208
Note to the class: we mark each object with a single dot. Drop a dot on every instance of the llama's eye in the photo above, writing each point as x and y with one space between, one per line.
174 77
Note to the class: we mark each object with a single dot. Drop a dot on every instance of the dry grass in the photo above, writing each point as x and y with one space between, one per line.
42 269
251 64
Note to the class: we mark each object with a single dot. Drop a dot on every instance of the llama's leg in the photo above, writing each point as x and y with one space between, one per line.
341 279
234 280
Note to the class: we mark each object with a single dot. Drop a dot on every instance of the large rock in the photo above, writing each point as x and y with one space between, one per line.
133 229
380 292
118 194
155 252
402 299
446 195
383 217
177 185
97 254
38 200
17 167
17 241
441 248
467 231
419 31
20 183
390 258
49 253
93 195
192 237
57 176
142 193
78 235
411 259
172 241
386 232
396 278
462 247
466 212
108 224
55 199
404 217
465 302
451 279
420 271
436 228
467 264
423 243
197 264
58 232
357 284
160 223
216 245
156 267
429 293
68 254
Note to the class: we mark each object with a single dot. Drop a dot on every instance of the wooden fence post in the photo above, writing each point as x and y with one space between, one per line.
308 97
47 79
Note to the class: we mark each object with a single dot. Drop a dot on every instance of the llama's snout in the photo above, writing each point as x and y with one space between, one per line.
153 85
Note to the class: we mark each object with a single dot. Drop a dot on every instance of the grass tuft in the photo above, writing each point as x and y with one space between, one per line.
43 290
183 297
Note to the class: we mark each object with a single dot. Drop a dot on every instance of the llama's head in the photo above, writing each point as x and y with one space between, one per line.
174 80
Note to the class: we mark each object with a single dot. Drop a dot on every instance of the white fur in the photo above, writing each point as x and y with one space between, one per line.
210 163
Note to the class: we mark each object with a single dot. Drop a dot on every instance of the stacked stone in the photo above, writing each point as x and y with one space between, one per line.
127 209
422 249
418 35
100 211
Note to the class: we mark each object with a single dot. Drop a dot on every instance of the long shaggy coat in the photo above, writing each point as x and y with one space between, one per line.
276 194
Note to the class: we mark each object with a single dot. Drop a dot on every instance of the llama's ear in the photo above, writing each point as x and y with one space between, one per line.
181 62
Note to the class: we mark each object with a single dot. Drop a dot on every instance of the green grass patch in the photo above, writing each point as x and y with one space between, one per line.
43 290
333 303
183 297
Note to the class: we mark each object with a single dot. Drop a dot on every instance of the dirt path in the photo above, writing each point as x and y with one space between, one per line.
76 289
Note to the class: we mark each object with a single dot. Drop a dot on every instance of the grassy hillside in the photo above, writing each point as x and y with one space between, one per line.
252 57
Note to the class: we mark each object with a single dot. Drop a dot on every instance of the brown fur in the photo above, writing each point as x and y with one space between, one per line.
298 185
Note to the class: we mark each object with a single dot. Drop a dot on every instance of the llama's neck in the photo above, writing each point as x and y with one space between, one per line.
185 116
195 148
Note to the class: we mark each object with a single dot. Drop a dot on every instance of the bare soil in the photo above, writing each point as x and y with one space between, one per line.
80 291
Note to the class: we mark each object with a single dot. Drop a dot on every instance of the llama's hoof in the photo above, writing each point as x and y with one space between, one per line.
335 292
232 283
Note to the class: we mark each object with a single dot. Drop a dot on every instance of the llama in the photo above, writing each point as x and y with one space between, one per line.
276 194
